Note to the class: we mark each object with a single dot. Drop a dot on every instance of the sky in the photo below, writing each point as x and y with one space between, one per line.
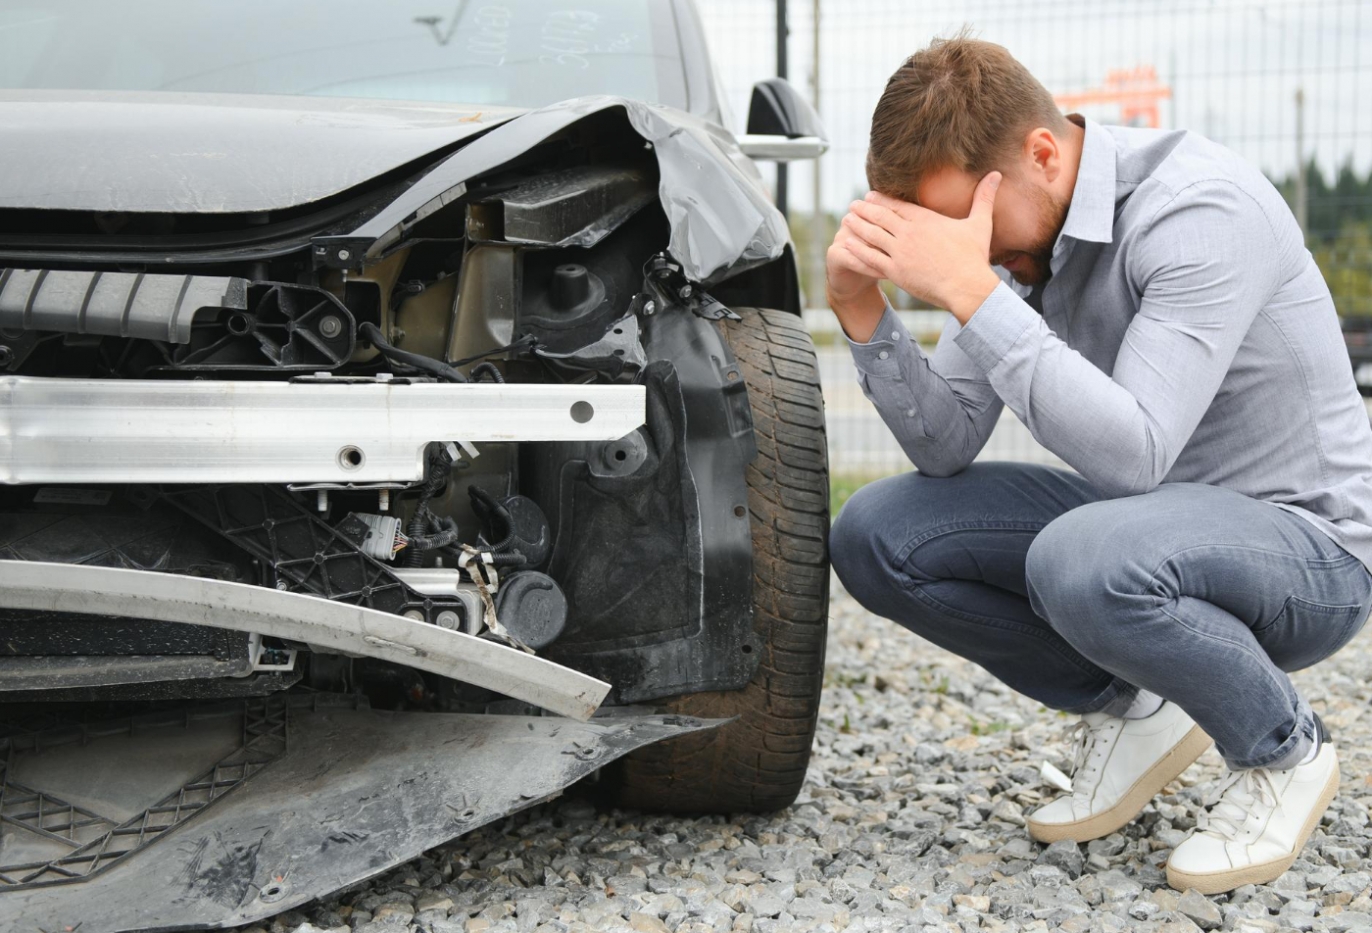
1231 68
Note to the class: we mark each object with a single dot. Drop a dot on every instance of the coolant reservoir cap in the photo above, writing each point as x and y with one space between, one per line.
532 607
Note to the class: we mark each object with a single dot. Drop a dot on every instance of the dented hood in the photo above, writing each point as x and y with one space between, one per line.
150 152
721 216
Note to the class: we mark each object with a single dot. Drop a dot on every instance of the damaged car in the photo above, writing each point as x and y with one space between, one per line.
405 413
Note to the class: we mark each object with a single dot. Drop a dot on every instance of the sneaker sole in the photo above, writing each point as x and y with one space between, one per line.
1219 882
1164 771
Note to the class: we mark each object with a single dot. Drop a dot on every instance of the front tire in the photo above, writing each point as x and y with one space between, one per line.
757 762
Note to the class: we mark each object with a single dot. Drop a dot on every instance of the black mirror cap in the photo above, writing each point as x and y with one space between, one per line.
778 109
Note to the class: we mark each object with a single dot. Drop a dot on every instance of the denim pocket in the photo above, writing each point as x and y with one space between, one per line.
1304 633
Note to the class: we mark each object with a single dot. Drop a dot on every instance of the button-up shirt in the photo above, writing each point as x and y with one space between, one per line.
1185 335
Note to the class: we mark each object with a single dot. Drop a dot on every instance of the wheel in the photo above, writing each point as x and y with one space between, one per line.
757 763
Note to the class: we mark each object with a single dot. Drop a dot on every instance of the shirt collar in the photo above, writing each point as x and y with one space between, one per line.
1091 214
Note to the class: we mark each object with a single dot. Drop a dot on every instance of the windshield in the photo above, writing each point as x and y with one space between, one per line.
520 53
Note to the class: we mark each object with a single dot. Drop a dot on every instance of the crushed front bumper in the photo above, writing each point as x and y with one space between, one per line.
214 816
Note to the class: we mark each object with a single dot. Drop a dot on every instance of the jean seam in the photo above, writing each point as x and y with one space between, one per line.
1294 739
954 527
1261 657
1355 612
1153 576
916 590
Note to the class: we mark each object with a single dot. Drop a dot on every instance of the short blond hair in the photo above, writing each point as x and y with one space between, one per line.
960 102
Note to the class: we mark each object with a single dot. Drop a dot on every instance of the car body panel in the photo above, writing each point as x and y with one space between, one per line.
179 153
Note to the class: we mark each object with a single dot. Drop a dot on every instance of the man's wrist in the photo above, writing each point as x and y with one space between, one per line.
969 295
858 314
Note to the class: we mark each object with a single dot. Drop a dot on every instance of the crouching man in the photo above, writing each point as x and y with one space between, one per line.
1158 323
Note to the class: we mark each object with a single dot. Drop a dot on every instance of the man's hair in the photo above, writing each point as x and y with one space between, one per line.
960 102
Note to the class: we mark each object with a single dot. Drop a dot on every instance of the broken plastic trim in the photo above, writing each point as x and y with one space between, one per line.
336 794
326 625
721 218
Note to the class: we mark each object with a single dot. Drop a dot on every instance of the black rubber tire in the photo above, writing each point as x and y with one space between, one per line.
757 763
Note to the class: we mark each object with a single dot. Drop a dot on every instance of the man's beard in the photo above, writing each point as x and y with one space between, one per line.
1051 214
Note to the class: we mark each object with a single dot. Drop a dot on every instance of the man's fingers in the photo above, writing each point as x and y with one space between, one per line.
870 256
984 198
875 232
842 256
902 208
883 217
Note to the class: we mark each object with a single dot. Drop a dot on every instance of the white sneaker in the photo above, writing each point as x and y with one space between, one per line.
1119 765
1257 827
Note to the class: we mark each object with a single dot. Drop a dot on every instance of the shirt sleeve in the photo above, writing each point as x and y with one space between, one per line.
1207 263
940 408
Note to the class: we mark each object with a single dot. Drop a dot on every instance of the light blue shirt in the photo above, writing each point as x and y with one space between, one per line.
1186 335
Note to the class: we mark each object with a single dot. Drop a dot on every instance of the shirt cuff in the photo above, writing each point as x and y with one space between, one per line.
996 326
879 356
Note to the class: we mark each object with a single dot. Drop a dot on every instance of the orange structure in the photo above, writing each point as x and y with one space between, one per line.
1136 90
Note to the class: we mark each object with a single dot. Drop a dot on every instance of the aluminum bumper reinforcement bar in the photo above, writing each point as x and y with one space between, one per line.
205 431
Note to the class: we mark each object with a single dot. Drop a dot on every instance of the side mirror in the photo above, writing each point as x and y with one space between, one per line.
782 126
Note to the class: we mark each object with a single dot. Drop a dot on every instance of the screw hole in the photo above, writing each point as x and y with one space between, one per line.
619 353
733 376
351 458
582 412
747 649
239 325
619 330
621 455
740 511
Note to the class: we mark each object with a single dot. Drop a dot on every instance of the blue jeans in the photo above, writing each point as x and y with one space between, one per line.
1198 593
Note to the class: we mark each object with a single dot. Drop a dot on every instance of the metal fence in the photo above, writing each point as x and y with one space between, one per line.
1282 82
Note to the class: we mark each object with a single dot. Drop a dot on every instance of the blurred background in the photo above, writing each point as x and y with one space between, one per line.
1286 83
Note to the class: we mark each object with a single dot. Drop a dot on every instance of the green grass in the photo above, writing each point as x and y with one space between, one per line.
841 487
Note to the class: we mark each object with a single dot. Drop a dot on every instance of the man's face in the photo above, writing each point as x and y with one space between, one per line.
1024 224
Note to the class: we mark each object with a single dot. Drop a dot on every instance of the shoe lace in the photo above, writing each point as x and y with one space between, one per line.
1082 736
1229 807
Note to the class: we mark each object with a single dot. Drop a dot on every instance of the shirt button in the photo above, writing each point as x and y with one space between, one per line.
882 355
909 412
895 335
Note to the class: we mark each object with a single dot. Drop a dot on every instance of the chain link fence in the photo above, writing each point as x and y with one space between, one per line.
1285 83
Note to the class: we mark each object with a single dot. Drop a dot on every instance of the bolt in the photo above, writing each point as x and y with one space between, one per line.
321 501
448 619
415 615
344 255
330 326
282 585
650 307
685 291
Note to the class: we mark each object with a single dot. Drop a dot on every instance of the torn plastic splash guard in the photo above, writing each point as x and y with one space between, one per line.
213 816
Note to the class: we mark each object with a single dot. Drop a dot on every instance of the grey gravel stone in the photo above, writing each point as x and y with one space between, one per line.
1200 910
911 817
1065 855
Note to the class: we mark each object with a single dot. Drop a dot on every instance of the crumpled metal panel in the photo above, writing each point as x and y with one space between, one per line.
314 797
721 218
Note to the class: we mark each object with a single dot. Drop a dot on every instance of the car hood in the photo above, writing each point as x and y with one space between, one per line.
211 153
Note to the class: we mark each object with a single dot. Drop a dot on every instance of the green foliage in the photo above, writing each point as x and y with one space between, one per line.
841 487
1338 232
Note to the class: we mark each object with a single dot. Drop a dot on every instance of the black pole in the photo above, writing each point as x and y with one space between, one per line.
782 33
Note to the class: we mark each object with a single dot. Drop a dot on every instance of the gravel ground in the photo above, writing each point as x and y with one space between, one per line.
911 819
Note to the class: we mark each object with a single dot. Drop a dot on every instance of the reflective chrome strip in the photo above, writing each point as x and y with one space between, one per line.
339 627
184 431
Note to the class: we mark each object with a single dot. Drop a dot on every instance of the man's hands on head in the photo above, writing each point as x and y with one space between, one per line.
942 260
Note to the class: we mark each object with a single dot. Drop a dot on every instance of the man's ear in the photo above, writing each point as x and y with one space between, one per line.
1043 153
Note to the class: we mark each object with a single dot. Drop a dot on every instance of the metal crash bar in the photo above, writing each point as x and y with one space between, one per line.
206 431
